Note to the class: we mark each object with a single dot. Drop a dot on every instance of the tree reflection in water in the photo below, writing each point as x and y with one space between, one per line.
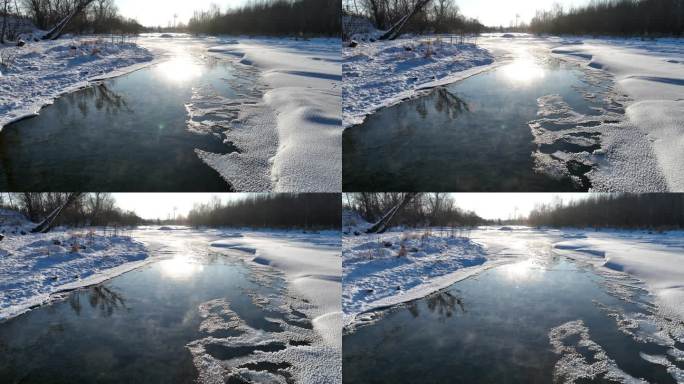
104 98
443 304
104 299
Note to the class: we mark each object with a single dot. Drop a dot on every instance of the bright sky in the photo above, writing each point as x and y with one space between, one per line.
152 13
502 12
160 205
507 205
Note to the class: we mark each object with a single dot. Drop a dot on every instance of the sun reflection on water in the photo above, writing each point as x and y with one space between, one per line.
524 70
180 268
180 69
521 271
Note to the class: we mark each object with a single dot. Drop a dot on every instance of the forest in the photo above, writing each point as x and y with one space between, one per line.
423 209
98 16
306 211
431 16
614 17
652 211
90 209
272 17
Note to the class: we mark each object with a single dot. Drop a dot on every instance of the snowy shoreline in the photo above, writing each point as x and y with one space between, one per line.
651 258
311 264
35 269
41 72
290 138
381 74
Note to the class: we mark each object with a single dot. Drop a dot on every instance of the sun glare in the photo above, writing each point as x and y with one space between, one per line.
523 70
179 70
180 268
521 271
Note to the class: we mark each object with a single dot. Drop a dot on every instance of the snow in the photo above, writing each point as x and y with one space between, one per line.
651 74
312 266
40 72
383 73
573 365
289 140
376 276
655 259
396 267
35 267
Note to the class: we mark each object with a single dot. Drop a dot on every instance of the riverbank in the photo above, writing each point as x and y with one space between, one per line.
289 140
34 75
35 267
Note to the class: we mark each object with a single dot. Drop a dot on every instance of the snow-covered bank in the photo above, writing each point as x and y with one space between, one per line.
33 267
378 273
380 74
385 270
39 72
400 266
312 266
291 139
653 258
651 74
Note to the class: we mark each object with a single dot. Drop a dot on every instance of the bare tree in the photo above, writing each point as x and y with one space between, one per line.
46 224
58 29
395 31
386 221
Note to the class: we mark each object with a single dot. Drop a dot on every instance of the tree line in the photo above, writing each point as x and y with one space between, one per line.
306 211
422 210
655 211
98 16
272 17
433 16
90 209
613 17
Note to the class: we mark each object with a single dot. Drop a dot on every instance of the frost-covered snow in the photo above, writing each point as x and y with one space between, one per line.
312 265
35 266
655 259
651 74
383 73
290 139
39 72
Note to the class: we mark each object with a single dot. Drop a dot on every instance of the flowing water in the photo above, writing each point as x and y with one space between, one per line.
501 326
479 134
125 134
136 328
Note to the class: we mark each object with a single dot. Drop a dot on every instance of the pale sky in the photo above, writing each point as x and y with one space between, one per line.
152 13
160 205
503 206
502 12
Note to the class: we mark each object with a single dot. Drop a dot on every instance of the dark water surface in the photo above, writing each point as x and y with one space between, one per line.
126 134
131 329
493 328
469 136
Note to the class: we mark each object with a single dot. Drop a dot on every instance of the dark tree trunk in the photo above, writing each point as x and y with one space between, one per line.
46 225
384 223
395 31
57 30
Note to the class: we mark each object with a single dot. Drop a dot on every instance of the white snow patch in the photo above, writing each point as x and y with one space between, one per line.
312 266
656 259
573 366
651 74
296 146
